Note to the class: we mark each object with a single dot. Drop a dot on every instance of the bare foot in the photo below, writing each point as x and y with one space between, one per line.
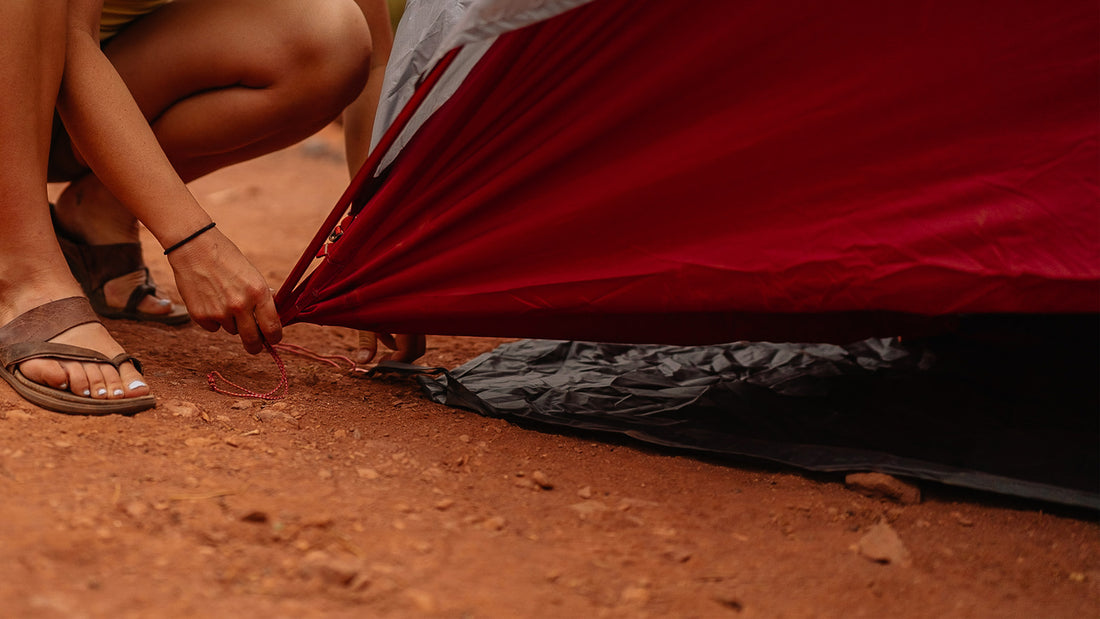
89 379
87 211
95 380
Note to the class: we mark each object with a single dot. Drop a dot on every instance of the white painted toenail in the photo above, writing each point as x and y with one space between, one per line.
87 392
101 392
137 384
117 392
164 301
63 386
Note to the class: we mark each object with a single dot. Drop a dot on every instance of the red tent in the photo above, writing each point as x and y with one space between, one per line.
718 170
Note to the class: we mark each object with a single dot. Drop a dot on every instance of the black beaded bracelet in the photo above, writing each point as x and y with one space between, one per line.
190 238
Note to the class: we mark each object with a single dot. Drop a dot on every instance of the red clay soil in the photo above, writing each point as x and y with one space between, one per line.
358 497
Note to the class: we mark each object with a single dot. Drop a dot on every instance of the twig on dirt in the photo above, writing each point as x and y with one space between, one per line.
203 497
351 547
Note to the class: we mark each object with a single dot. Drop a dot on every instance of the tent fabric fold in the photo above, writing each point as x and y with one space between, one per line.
663 172
980 412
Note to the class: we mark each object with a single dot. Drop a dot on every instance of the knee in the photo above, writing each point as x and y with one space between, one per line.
330 45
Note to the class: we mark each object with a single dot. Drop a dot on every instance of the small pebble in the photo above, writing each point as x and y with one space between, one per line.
962 520
136 509
879 485
542 480
179 408
588 509
634 596
881 544
339 571
523 482
678 555
199 441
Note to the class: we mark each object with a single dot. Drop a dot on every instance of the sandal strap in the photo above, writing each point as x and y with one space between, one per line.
121 358
25 351
25 338
12 356
47 321
140 291
95 265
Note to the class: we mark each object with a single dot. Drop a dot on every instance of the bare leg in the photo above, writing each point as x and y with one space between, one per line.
32 269
359 116
223 81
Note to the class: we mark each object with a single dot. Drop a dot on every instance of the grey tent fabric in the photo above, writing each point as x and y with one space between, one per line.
1015 420
431 28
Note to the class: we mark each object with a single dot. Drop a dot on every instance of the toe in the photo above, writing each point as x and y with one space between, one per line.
79 382
112 382
46 372
97 384
132 381
154 305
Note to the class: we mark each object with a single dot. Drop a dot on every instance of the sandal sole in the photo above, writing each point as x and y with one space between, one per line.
71 404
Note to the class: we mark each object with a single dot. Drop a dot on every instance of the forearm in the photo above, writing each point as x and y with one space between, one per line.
112 135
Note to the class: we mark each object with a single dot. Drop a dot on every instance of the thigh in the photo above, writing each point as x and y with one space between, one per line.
285 67
193 46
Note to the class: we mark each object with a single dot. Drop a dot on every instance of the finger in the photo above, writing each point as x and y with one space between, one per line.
231 325
250 334
368 347
267 319
207 324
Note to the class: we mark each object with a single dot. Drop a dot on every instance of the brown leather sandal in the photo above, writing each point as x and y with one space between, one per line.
95 265
26 338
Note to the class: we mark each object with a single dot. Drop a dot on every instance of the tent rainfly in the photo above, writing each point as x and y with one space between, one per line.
720 170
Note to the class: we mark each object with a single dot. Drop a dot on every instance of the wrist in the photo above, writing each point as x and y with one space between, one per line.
191 237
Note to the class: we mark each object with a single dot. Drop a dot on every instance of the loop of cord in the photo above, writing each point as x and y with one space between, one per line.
284 384
333 360
244 392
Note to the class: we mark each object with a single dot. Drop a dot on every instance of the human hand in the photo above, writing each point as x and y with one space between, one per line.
405 348
222 290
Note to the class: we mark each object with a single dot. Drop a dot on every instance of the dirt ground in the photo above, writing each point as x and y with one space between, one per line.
360 498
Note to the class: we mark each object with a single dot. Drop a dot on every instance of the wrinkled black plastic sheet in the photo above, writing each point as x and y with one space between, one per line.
1011 418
